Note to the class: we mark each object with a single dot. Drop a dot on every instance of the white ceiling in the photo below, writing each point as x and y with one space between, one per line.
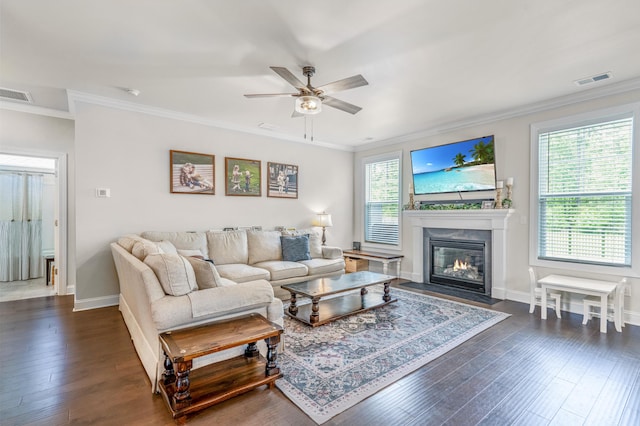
428 63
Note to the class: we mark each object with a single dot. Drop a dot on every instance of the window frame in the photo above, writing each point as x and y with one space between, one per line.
396 155
585 119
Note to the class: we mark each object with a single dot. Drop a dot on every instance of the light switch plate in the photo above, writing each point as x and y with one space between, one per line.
103 192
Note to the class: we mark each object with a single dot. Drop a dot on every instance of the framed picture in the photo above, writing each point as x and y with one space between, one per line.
192 173
487 204
242 177
283 180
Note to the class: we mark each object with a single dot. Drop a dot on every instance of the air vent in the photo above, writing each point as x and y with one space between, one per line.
15 95
593 79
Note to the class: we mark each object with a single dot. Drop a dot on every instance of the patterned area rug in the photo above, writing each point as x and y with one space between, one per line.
330 368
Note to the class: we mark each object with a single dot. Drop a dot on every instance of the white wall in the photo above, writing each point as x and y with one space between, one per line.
512 146
129 153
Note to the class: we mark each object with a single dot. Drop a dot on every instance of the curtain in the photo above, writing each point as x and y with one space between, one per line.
20 226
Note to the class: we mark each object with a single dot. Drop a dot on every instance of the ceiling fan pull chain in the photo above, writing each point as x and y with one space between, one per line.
311 128
305 127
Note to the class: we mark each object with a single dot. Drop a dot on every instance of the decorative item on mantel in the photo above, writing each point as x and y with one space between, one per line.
506 203
323 220
499 185
412 203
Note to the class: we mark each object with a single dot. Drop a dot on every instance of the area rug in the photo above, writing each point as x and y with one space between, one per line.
330 368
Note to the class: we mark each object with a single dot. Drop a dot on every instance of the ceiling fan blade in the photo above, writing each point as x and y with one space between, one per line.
291 79
270 95
344 84
341 105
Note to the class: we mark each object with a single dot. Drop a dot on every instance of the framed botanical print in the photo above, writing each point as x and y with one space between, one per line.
242 177
192 173
282 180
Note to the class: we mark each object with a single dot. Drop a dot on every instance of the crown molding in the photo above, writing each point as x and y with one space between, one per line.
76 96
32 109
549 104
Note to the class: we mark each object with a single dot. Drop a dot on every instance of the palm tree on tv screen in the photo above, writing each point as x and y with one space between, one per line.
482 153
459 160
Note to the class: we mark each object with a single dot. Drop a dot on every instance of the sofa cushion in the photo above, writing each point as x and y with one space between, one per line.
281 270
295 248
167 247
241 272
323 266
143 248
228 247
206 274
181 240
225 299
263 246
315 240
191 253
175 273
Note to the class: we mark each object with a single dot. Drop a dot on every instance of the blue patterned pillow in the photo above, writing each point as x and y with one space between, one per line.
295 248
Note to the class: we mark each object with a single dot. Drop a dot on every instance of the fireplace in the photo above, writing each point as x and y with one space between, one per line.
487 225
458 263
458 258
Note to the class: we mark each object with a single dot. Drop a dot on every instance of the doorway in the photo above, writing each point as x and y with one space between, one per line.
33 226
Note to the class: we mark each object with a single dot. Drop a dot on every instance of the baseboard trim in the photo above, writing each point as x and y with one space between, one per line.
95 302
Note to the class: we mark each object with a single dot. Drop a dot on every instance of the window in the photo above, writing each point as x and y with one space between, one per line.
584 191
382 200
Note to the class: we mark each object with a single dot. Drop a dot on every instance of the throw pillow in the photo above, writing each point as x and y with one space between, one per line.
315 241
206 274
295 249
175 273
143 248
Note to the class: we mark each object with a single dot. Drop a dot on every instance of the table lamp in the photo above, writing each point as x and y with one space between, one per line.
323 220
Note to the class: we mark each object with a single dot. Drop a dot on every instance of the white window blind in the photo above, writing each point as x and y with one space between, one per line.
584 194
382 204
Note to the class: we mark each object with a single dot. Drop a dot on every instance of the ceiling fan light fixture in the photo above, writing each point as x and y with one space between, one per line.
308 105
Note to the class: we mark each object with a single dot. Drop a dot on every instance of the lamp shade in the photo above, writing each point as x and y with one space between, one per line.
308 105
324 220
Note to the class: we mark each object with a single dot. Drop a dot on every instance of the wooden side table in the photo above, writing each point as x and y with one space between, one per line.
186 392
376 257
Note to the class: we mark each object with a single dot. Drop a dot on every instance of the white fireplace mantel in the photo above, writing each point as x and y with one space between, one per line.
494 220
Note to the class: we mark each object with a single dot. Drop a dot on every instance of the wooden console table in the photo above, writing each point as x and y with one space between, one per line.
589 287
185 392
376 257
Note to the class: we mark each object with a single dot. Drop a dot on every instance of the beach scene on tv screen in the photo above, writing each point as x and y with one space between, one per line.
457 167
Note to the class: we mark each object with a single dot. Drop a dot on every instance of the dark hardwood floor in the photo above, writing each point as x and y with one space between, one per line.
59 367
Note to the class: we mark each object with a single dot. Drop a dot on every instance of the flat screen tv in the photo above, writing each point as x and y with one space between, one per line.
456 167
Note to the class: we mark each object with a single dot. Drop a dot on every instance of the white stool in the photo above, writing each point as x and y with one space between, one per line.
615 306
536 294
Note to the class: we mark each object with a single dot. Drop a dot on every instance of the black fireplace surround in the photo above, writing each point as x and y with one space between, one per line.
459 258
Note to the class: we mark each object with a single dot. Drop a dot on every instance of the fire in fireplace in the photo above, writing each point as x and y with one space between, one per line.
458 263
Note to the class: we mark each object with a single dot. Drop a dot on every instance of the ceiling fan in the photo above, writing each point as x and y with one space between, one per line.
309 99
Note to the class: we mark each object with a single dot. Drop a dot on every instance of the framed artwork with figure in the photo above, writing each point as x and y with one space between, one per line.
282 180
192 173
242 177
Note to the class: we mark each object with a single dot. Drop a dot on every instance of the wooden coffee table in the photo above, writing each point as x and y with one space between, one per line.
320 312
186 392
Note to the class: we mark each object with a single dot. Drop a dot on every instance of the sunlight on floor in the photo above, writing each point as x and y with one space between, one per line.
16 290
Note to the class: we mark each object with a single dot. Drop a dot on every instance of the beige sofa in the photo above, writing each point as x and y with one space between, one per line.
165 285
